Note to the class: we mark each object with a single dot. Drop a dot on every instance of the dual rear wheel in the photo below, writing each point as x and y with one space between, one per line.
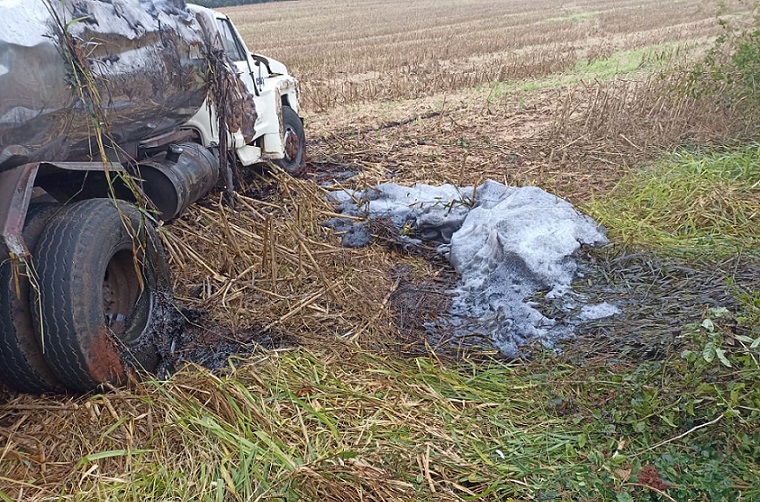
86 311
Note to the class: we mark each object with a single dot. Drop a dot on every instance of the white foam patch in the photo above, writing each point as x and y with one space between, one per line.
598 311
506 243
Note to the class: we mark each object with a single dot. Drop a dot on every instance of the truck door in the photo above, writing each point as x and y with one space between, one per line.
237 52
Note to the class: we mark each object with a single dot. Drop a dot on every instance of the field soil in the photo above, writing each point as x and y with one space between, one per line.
565 96
381 106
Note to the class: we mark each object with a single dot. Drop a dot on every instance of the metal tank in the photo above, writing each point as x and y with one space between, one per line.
133 69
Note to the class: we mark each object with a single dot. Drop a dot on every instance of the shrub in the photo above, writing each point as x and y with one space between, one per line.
730 72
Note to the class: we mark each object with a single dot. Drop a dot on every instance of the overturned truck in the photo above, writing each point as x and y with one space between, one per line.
115 114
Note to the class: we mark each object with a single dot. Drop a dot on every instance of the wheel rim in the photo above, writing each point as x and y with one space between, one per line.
121 292
292 145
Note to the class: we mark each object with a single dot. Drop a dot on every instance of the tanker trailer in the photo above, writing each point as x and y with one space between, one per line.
99 106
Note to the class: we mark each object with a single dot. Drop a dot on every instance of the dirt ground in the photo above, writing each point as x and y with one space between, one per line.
461 138
465 138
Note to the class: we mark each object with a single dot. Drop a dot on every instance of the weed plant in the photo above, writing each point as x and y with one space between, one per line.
698 203
730 73
346 415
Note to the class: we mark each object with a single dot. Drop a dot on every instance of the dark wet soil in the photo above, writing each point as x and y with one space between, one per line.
658 297
418 301
184 337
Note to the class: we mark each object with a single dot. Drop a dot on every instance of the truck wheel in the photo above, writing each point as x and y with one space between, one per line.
103 282
23 365
294 162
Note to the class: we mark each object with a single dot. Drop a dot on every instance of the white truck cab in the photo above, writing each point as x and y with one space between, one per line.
279 135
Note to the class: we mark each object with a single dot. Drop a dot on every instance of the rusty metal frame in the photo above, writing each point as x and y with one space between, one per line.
16 186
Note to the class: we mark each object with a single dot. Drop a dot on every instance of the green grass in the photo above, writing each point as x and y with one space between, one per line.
691 202
306 426
619 63
580 16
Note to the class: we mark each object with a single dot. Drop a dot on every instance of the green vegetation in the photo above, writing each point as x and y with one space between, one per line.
622 62
599 69
691 202
574 17
730 74
298 428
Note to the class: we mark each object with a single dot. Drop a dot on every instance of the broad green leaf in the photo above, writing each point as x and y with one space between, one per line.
708 353
722 356
624 497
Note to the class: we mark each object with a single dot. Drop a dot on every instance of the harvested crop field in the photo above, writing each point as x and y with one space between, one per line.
297 369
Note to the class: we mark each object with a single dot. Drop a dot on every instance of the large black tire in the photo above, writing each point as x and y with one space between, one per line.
294 162
22 364
103 283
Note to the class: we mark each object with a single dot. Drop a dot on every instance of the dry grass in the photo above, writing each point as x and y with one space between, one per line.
429 91
269 265
339 428
346 52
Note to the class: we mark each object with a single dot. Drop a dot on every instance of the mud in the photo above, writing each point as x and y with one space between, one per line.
181 336
178 336
658 298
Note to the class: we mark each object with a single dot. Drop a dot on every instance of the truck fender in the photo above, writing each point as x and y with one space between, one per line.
274 144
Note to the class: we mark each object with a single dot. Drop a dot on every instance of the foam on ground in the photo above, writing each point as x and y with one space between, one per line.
507 244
